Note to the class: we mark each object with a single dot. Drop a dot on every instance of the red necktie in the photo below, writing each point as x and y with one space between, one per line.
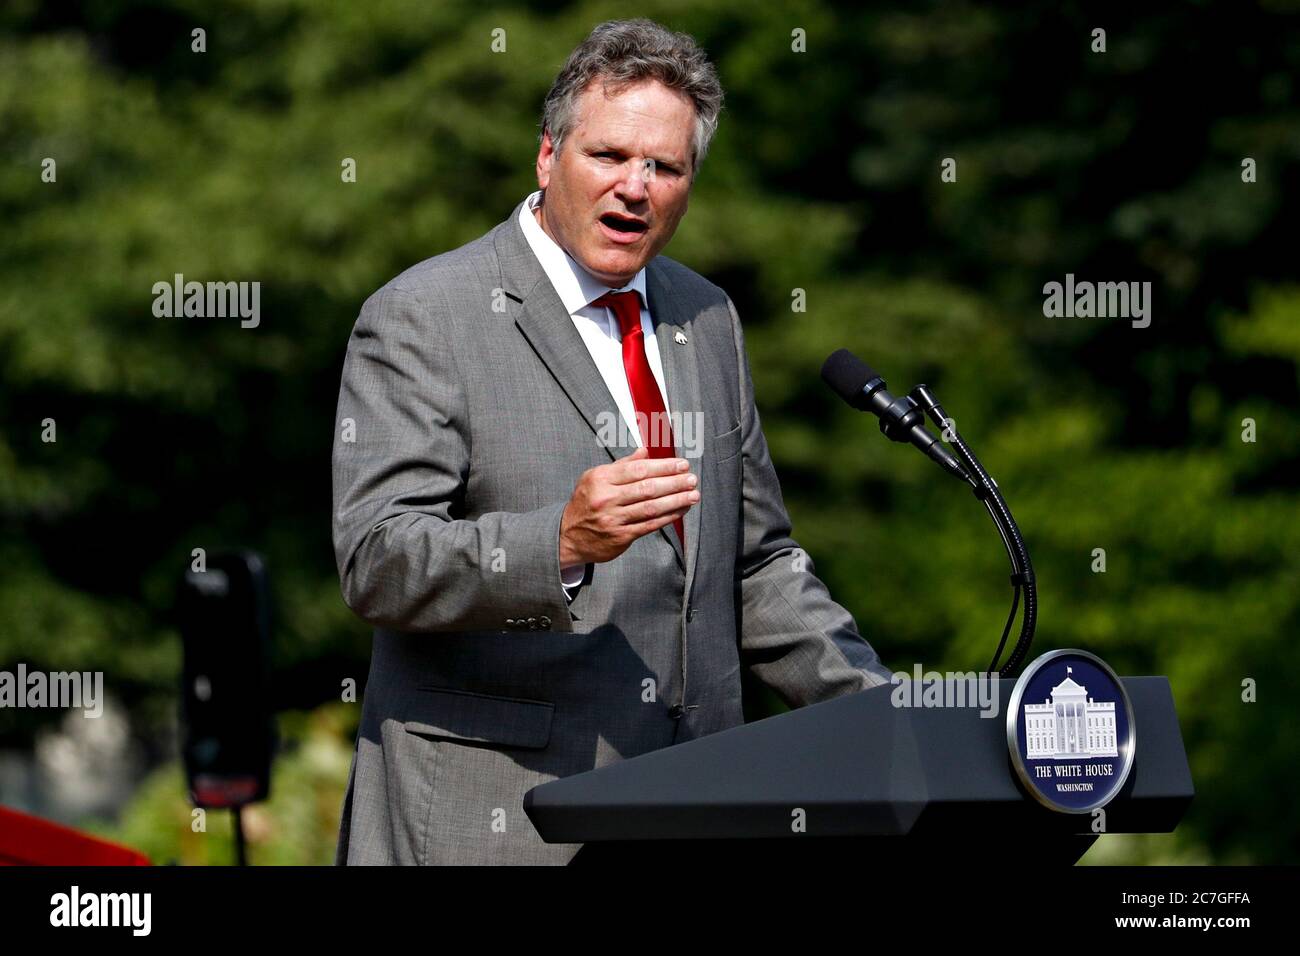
652 418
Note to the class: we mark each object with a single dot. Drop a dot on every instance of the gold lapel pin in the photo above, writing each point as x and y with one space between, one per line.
680 338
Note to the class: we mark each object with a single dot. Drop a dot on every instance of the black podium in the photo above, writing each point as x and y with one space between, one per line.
869 777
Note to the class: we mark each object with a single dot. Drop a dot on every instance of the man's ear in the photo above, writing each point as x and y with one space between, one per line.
545 156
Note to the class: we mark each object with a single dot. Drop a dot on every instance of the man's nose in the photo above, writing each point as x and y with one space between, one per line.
633 187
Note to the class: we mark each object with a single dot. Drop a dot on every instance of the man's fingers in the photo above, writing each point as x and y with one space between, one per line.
652 508
649 488
637 468
646 527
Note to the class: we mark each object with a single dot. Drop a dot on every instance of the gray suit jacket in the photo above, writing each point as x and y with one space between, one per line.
474 408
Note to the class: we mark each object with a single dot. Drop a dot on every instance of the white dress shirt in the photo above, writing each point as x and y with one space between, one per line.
598 327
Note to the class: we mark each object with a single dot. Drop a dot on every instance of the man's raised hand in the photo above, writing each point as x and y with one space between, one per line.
613 505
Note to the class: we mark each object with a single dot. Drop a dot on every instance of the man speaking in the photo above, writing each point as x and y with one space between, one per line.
552 494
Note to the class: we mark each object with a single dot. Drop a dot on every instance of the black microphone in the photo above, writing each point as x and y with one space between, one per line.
900 419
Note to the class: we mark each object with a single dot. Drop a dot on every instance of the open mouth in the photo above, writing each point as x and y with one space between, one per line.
624 224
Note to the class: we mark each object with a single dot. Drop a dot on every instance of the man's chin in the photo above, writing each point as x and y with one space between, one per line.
615 270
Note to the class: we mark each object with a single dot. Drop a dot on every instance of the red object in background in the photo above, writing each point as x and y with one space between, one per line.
30 841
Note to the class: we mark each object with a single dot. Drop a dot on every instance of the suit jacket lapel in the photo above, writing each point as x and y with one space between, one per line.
673 321
544 321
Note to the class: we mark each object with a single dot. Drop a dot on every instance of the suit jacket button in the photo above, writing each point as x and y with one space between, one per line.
544 621
510 622
532 624
676 711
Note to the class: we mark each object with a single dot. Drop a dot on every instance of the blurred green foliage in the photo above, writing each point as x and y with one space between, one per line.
825 176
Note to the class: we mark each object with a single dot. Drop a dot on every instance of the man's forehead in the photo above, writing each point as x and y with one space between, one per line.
615 119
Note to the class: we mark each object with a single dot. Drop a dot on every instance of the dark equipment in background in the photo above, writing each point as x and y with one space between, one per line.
229 734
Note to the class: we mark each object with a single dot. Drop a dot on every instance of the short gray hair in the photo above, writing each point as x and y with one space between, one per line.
623 52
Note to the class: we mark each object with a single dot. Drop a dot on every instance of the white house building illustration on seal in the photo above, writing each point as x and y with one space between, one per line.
1070 725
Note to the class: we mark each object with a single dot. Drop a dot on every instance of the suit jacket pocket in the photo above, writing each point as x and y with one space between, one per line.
471 718
727 444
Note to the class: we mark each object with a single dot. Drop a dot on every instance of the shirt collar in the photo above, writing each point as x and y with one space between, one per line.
576 286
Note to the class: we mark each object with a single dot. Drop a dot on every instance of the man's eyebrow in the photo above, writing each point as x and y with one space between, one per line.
611 148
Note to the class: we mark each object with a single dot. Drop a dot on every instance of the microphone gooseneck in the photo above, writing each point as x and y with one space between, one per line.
903 420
